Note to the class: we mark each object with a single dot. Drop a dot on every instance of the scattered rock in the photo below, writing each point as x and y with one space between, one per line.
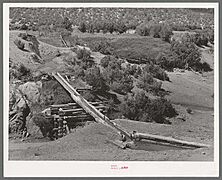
189 110
36 154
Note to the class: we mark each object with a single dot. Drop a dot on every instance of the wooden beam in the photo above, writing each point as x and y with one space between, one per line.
75 104
163 139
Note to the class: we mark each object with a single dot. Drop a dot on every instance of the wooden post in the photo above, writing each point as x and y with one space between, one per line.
55 127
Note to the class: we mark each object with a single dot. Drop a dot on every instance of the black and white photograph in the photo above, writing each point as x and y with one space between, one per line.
111 83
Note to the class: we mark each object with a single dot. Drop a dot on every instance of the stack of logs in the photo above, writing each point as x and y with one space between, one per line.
69 115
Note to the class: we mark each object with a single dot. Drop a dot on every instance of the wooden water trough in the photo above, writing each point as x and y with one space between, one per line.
66 115
129 140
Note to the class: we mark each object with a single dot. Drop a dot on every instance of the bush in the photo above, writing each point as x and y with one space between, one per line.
132 70
19 44
82 27
19 71
115 75
85 57
95 79
23 36
107 60
156 30
140 107
183 55
123 86
120 27
165 61
147 83
165 33
156 71
83 54
102 46
144 29
200 39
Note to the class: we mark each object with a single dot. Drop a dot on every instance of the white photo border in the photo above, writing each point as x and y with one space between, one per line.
103 168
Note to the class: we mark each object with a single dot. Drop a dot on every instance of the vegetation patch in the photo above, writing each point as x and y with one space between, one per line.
140 107
139 49
183 55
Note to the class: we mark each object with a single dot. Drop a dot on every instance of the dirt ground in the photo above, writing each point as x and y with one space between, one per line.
93 141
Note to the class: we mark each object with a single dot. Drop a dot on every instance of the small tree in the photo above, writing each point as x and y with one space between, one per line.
94 78
165 33
67 24
82 27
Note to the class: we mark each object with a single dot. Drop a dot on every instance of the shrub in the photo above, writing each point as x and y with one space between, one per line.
115 75
131 70
156 30
185 53
156 71
83 54
78 71
119 27
102 46
107 60
67 24
82 27
165 33
23 36
165 61
140 107
123 86
19 71
200 39
19 44
85 57
95 79
147 83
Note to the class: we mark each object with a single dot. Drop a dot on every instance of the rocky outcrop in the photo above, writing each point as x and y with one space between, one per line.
21 99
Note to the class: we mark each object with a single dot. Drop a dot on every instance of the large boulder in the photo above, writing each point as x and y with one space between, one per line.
21 98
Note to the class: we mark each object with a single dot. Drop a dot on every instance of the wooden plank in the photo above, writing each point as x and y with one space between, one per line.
79 109
75 104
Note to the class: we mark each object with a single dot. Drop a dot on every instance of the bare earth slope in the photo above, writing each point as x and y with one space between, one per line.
92 142
191 89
